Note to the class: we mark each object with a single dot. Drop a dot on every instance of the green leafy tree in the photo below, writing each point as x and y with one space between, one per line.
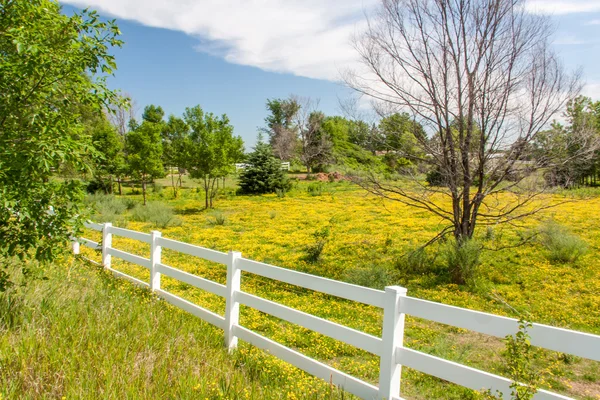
173 138
144 149
49 64
110 162
281 126
345 151
211 150
263 173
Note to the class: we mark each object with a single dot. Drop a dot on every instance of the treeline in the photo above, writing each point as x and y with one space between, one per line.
204 146
200 143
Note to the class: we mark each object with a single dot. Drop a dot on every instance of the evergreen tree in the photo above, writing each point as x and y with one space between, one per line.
263 173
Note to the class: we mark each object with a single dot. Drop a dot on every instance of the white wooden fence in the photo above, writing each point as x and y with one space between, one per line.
242 166
394 302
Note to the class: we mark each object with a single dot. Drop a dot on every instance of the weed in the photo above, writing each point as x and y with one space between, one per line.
159 214
314 250
562 245
461 259
218 218
315 189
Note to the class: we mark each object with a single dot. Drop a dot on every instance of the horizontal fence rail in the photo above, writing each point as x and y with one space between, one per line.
394 302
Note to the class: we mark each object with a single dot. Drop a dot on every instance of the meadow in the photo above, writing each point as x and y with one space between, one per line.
366 241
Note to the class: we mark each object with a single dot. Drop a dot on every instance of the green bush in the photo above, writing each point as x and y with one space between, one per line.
562 245
106 208
314 251
462 260
315 189
373 276
159 214
218 218
415 261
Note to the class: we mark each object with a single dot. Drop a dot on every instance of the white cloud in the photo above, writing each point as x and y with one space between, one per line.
593 22
558 7
310 38
568 40
592 89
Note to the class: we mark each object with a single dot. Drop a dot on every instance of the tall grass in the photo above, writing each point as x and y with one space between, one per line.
562 245
83 334
159 214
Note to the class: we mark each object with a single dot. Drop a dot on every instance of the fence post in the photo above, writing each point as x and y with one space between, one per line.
232 307
392 337
155 253
106 244
75 246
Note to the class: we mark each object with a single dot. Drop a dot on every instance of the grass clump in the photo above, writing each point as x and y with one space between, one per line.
562 245
462 259
314 250
157 213
107 208
217 218
315 189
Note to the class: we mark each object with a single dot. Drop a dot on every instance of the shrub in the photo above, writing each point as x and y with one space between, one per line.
99 185
462 260
263 173
107 208
414 261
315 189
373 276
157 213
562 245
435 178
157 187
218 218
314 251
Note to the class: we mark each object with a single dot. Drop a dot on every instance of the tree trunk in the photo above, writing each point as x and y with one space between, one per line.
144 189
173 183
120 189
206 187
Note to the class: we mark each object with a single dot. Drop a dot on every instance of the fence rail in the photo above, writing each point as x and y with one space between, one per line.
394 302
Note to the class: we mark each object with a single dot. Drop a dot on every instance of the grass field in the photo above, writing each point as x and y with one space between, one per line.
367 241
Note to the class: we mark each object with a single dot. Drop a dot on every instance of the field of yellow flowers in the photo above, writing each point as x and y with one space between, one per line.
368 239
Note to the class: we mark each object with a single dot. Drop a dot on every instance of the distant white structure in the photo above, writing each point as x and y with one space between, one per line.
242 166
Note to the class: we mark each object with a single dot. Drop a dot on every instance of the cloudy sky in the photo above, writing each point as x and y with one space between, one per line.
231 55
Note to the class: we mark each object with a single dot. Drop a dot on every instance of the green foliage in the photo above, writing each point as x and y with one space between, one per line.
263 173
314 250
48 73
461 259
350 150
315 189
435 177
373 275
211 150
218 218
519 358
401 134
107 208
157 187
109 144
415 261
562 245
159 214
144 151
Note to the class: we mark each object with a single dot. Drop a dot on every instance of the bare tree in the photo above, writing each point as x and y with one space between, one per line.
480 76
315 145
120 115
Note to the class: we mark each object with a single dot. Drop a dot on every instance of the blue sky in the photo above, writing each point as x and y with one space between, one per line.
230 56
